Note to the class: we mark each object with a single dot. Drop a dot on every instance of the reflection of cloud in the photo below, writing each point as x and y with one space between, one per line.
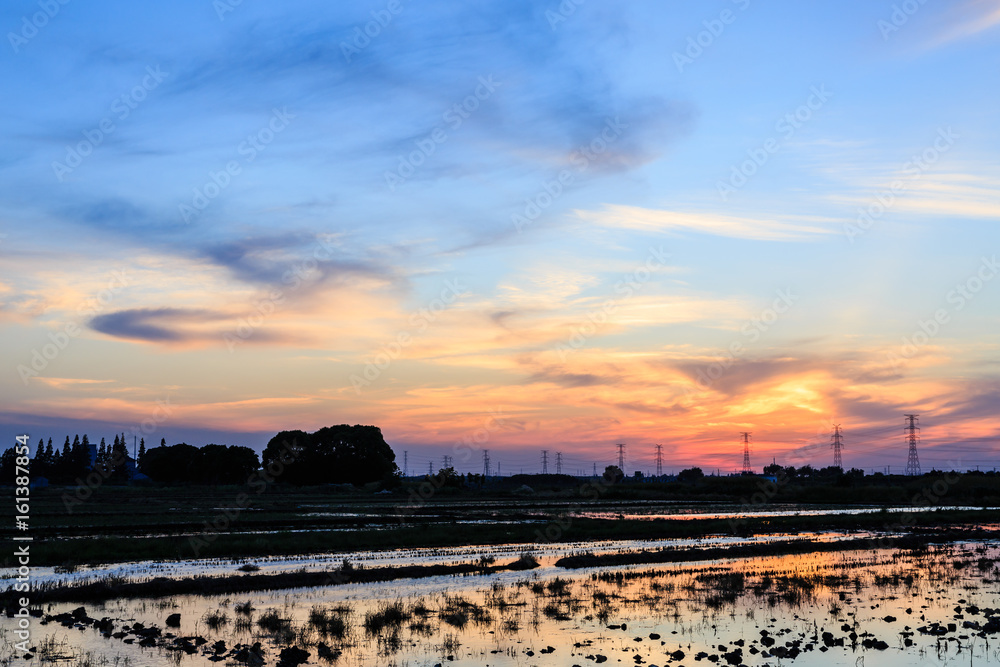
657 220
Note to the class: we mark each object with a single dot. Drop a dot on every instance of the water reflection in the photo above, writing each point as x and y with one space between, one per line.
937 606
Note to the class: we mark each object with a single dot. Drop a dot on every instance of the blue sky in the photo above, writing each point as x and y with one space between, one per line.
244 243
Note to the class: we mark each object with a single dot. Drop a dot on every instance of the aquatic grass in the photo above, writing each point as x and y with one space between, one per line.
215 619
389 615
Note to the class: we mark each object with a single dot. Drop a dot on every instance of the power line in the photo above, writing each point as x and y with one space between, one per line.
838 462
912 461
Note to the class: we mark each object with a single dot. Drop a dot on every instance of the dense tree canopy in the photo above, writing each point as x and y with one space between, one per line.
334 454
212 464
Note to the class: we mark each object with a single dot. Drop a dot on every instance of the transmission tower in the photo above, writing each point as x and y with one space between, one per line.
406 463
621 456
558 463
430 467
659 460
838 445
486 463
747 470
545 462
447 461
912 461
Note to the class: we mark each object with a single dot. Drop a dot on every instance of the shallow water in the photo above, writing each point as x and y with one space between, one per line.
545 552
508 619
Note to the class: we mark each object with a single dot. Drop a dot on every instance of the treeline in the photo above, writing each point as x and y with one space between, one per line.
332 455
212 464
64 465
181 463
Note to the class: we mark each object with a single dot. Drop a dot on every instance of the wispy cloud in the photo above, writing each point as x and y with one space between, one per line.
781 228
967 20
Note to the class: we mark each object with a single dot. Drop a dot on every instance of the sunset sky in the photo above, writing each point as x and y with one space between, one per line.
523 225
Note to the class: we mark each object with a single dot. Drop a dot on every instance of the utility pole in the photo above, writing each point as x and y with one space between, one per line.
621 456
747 470
659 460
558 463
912 461
486 463
838 444
545 462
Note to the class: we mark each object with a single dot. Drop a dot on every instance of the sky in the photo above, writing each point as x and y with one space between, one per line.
506 227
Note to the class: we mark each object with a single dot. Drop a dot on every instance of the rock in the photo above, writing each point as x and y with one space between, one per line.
292 656
174 621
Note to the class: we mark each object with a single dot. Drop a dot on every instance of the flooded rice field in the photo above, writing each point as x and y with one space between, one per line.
938 605
546 553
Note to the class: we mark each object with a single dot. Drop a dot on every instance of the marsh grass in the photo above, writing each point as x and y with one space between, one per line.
388 615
